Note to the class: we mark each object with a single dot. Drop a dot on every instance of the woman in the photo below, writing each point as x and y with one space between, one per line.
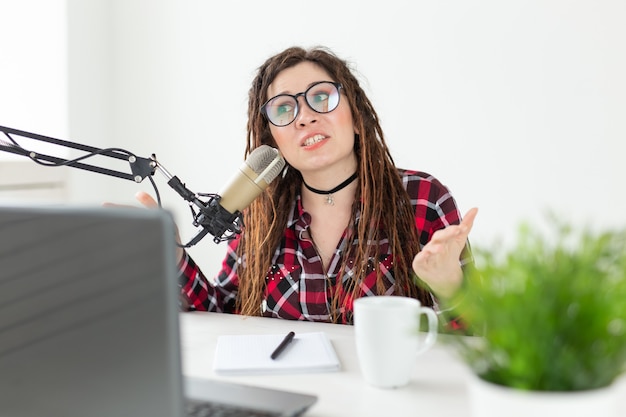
342 221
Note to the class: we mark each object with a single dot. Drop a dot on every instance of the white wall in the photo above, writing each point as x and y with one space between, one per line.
516 106
33 94
33 69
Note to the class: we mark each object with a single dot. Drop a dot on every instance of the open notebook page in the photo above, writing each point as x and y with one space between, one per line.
250 354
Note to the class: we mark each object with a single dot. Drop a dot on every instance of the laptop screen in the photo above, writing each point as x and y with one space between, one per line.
88 322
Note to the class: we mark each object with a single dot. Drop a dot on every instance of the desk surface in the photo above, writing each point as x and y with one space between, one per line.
438 386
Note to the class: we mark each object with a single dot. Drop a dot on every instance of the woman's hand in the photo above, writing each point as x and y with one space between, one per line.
437 264
147 201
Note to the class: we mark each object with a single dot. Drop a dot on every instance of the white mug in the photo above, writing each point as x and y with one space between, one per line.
388 338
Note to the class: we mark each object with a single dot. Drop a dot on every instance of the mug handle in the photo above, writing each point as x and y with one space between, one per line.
431 337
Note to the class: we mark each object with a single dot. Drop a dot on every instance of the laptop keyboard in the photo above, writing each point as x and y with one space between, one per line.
209 409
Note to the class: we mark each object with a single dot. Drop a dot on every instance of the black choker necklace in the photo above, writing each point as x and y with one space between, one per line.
330 200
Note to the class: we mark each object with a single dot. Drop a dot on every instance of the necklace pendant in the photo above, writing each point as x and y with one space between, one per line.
330 200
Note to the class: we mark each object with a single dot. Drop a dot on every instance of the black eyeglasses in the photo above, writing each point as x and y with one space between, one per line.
321 97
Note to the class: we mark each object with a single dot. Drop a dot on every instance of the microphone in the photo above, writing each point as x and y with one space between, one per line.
221 215
262 167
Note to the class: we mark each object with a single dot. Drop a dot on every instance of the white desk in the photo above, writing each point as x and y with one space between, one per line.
438 387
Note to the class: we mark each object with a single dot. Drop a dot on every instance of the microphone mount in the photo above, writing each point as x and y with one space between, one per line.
211 217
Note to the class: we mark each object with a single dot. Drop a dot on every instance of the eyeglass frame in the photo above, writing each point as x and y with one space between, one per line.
263 108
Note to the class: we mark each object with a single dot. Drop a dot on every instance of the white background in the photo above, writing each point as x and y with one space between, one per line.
518 107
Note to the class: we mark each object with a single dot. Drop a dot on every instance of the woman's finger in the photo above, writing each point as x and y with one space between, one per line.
468 219
146 199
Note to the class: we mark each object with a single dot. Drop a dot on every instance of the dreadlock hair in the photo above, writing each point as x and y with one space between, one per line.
384 203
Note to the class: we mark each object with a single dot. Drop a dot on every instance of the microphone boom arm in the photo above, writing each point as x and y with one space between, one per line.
212 218
140 167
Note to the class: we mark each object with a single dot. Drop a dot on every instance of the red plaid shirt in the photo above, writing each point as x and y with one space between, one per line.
296 286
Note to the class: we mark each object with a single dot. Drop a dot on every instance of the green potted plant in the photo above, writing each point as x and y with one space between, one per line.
549 318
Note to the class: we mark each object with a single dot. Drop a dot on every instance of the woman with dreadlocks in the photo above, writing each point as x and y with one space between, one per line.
342 221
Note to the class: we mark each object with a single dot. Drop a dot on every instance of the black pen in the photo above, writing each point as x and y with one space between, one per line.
282 345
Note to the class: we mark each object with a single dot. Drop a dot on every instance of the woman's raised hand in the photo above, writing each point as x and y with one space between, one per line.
437 264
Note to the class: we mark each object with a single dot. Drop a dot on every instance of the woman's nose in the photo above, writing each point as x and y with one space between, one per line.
305 114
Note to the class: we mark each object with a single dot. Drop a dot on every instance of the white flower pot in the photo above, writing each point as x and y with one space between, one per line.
491 400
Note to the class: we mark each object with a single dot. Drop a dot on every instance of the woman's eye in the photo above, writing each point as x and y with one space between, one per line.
320 97
284 108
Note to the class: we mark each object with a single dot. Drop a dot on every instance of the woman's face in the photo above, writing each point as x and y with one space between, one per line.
314 141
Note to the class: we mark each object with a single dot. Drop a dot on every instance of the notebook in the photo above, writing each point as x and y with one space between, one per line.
89 319
251 354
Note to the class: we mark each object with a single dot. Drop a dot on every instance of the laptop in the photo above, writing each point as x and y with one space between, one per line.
89 320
